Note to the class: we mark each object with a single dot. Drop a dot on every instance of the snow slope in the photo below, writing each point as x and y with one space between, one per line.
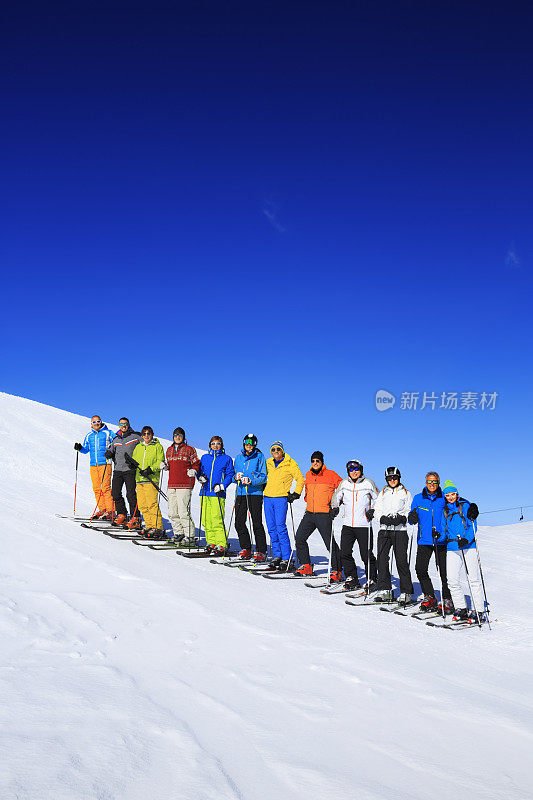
130 673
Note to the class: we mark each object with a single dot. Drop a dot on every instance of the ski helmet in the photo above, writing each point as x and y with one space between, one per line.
354 464
250 438
393 472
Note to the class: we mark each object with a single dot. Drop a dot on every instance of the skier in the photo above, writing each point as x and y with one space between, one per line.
320 485
250 477
282 470
426 511
356 494
96 443
457 524
391 509
215 474
149 459
183 464
124 442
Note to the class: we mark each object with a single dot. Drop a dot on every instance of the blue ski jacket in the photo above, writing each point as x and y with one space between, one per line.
455 523
96 443
429 508
253 466
217 468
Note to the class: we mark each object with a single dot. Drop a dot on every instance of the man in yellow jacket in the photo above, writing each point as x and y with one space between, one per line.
281 471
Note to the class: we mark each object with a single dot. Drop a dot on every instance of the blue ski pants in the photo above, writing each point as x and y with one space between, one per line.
276 515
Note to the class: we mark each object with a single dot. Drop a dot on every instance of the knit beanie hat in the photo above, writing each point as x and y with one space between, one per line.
180 431
277 444
319 455
449 487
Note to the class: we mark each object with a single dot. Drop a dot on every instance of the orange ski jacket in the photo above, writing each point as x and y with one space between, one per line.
319 489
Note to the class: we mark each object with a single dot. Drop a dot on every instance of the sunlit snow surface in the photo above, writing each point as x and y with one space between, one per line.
129 674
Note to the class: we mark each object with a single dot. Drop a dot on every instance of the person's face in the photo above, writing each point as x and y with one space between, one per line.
277 453
354 473
248 448
147 437
216 444
393 482
451 497
123 425
96 423
316 463
432 483
178 438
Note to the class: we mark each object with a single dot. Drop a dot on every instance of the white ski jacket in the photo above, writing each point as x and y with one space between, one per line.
392 501
354 498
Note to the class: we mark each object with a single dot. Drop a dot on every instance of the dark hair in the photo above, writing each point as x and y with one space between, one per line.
125 419
217 438
147 429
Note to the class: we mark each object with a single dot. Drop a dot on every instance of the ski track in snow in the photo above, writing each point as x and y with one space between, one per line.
131 673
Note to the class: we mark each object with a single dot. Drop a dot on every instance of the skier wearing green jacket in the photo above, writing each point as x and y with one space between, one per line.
149 458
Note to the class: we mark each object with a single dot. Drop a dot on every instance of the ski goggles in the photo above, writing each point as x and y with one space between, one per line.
248 441
353 466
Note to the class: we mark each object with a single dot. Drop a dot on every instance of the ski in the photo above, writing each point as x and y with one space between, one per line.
89 527
399 608
370 603
127 537
232 562
272 575
456 626
359 593
333 590
197 554
255 569
75 519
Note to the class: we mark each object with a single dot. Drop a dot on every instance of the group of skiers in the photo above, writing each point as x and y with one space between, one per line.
446 521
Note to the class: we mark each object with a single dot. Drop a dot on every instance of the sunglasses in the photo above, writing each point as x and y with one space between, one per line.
96 422
435 483
354 469
276 450
123 425
393 478
316 461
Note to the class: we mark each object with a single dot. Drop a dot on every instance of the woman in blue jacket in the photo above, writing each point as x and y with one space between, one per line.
251 478
459 527
215 475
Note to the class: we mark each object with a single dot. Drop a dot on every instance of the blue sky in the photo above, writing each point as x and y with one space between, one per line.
239 219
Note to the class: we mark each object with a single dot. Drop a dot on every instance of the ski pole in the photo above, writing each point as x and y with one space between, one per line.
330 550
481 576
158 508
252 535
200 525
368 549
294 539
223 523
76 481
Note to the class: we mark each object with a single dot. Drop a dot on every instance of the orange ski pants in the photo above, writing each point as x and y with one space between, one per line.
102 487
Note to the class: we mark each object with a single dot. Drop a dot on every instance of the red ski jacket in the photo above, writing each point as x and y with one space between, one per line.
180 458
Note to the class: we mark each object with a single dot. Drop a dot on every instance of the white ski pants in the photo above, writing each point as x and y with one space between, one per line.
455 570
179 512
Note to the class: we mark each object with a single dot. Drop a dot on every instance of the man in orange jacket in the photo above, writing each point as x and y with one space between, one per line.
320 485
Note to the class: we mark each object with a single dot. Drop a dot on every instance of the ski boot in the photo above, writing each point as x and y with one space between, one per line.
429 603
119 520
351 583
448 607
336 577
135 524
405 598
274 563
209 548
245 554
219 550
304 570
285 566
103 516
384 596
460 615
259 558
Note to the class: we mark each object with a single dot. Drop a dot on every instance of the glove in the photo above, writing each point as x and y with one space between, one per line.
163 465
191 473
369 514
435 534
218 488
202 478
398 519
146 472
246 481
132 464
473 511
238 477
292 496
333 512
109 454
412 519
77 446
461 541
386 521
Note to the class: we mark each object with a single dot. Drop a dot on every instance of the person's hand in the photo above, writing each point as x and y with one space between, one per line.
202 479
462 542
146 472
385 521
473 511
109 454
333 512
292 496
369 514
218 488
246 481
412 519
191 473
163 465
77 446
238 477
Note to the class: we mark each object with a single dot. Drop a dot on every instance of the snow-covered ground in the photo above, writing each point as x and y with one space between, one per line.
128 673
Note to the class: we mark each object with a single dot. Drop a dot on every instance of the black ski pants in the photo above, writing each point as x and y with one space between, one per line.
254 502
312 521
423 557
398 540
349 536
119 480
